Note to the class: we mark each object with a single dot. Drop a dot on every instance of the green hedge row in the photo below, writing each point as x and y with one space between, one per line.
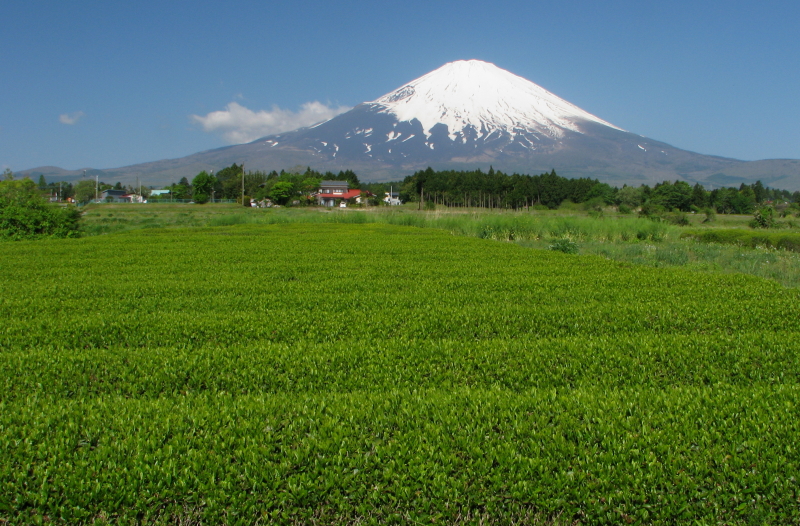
748 238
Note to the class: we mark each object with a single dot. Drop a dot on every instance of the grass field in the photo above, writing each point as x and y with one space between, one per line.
724 245
364 372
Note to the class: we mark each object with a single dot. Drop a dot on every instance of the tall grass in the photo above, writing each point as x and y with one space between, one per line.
506 226
779 265
622 238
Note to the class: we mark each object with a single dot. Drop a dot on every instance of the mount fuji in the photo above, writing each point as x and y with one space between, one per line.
467 115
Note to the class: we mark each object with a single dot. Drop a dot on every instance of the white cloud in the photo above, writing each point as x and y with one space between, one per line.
71 118
238 124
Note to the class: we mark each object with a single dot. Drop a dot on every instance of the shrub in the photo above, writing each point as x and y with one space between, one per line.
569 205
595 204
652 211
677 218
624 209
566 246
24 214
737 236
764 218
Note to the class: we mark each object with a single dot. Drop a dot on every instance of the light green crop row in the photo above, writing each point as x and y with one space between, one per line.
718 454
325 283
518 365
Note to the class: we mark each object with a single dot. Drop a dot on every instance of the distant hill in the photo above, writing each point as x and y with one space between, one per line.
465 115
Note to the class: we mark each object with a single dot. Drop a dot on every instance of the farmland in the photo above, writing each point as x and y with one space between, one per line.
354 371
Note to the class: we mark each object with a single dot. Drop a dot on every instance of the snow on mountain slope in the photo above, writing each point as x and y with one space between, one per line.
476 95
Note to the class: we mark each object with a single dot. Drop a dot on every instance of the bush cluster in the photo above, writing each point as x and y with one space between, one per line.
24 214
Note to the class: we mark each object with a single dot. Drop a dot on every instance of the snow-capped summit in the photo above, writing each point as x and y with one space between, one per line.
471 114
465 110
477 95
468 115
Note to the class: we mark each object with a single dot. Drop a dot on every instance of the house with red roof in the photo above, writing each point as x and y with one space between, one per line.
332 193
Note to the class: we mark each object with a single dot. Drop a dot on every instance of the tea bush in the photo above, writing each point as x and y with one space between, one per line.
365 373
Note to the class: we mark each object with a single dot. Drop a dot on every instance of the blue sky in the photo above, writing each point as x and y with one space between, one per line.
104 84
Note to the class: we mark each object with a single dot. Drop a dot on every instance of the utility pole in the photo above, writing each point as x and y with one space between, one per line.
96 186
242 184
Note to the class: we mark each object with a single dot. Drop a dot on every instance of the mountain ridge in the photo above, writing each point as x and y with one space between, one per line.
467 115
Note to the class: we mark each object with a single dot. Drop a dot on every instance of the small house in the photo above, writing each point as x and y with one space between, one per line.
114 196
332 191
392 198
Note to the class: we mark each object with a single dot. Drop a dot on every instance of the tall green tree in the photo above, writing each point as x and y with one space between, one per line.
630 196
202 185
84 190
759 192
673 196
699 196
281 192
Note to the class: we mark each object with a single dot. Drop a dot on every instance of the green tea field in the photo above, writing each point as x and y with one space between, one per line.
333 373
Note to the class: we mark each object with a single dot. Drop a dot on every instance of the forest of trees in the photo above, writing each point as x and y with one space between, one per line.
494 189
281 187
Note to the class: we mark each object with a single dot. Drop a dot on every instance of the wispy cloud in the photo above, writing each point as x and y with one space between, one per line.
238 124
71 118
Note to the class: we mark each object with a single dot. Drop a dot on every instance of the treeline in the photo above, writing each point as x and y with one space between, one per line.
281 187
494 189
82 191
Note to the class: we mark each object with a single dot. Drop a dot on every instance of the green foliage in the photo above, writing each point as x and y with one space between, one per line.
568 205
677 218
764 217
85 190
202 186
566 246
24 214
281 192
488 383
595 204
735 236
495 189
675 196
624 209
630 196
652 211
